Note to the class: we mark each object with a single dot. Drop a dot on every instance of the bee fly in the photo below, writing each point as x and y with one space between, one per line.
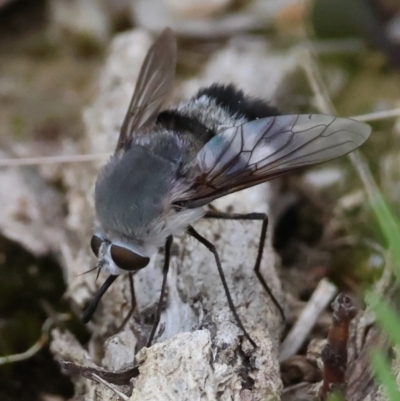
168 165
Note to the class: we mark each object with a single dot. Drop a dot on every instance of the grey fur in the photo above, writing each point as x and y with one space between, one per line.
208 112
130 192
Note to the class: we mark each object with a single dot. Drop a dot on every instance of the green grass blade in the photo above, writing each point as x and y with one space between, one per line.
387 317
385 376
390 228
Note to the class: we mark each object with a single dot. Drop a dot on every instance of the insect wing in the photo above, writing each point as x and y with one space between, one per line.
257 151
153 86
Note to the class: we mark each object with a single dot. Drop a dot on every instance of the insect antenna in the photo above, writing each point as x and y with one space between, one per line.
98 273
88 271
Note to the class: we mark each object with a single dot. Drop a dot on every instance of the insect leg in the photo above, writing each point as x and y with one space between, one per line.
191 231
215 214
168 244
88 313
133 304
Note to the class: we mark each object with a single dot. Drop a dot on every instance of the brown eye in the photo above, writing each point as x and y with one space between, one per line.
95 244
126 259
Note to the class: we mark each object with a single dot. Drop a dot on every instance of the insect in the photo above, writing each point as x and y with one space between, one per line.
168 165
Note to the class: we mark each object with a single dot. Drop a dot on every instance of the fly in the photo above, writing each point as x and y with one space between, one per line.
169 165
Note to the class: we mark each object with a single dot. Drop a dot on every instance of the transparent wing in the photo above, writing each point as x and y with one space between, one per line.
257 151
153 85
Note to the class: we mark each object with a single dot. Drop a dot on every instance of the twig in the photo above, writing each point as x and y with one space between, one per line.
119 378
379 115
321 297
37 161
93 157
110 386
43 340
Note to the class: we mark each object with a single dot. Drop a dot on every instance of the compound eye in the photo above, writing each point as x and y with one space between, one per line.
95 244
125 259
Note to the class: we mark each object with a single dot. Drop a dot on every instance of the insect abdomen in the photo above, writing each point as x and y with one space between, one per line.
212 107
173 120
236 103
